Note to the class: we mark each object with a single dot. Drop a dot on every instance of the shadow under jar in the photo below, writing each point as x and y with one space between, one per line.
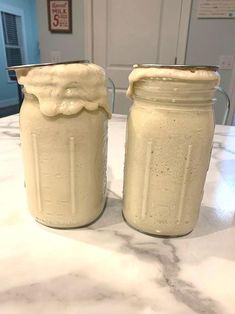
63 126
169 140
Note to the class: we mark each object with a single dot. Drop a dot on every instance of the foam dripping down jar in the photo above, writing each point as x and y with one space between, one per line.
63 126
169 140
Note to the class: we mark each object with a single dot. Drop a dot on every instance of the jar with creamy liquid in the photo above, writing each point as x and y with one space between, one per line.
63 123
169 140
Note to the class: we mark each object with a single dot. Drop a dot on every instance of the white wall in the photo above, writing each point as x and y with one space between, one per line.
209 39
70 46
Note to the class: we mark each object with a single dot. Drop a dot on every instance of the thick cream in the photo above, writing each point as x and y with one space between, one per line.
169 139
63 122
139 74
66 88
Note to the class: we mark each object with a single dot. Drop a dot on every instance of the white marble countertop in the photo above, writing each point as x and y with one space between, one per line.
108 267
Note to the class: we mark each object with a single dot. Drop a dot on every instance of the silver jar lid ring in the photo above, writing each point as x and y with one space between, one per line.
178 67
23 66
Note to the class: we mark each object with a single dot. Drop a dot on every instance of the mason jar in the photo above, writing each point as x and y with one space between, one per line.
63 126
169 140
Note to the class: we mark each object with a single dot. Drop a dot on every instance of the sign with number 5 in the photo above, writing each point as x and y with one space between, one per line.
60 16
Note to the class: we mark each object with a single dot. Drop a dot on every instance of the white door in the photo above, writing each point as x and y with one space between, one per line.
125 32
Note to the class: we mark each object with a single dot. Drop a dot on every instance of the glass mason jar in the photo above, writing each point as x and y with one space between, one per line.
169 140
63 125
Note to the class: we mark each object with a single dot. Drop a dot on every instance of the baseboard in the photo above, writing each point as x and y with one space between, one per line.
8 102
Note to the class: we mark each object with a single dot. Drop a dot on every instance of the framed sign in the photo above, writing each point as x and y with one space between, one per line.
60 16
214 9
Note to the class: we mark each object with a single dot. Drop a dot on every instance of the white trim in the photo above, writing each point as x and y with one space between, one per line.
8 102
26 57
88 29
183 31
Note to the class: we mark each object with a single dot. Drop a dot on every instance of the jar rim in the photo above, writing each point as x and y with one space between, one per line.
184 67
23 66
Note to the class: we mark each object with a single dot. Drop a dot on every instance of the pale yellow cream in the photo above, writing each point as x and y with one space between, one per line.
169 139
63 122
139 74
66 88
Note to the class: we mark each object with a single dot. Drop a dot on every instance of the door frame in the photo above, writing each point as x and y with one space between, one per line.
182 39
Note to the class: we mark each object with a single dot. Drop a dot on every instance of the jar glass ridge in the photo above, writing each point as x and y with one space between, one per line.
63 126
169 140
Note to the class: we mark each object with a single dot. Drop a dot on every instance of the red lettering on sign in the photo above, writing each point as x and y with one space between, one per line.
56 20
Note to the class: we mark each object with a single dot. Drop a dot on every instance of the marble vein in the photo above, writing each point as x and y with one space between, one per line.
109 267
183 291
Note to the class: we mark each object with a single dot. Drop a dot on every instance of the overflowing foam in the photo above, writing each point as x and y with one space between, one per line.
149 73
66 88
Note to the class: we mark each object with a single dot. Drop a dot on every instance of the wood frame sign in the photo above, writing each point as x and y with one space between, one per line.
59 16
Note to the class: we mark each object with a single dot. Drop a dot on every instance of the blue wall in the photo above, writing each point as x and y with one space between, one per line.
8 90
